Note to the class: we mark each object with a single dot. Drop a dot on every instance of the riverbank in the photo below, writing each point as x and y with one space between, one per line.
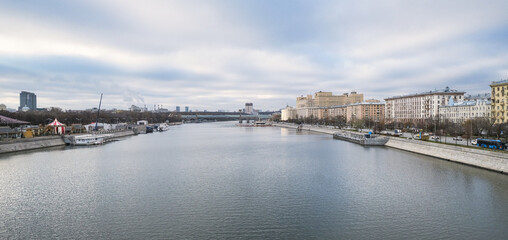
489 160
25 144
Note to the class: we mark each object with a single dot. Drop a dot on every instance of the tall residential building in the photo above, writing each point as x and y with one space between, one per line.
420 106
462 111
499 101
177 109
249 108
27 99
327 99
186 108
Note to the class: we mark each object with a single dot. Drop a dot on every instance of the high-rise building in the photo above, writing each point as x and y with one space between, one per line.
249 108
177 108
186 108
27 99
499 105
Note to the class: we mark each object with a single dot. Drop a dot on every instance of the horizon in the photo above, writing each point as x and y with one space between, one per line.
219 54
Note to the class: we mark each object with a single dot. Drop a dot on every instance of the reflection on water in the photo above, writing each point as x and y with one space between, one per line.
215 180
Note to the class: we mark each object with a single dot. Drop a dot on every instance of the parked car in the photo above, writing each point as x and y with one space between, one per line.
474 141
458 138
434 137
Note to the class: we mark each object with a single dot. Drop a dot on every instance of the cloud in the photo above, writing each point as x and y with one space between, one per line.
221 54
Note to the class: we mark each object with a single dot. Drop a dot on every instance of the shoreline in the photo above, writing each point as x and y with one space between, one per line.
27 144
488 160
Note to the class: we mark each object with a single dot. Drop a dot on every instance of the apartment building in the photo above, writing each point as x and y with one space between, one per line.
420 106
499 105
327 99
462 111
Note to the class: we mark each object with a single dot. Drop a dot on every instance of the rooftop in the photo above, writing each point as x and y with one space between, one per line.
467 103
446 90
500 82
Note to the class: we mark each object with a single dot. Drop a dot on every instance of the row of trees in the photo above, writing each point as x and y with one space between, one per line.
341 122
87 117
471 128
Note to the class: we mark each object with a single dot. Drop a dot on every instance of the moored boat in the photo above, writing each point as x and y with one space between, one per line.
86 140
163 127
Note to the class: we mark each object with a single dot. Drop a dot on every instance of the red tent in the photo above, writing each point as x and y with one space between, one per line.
58 126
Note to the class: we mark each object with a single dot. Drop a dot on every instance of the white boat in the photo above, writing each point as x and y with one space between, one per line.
85 140
163 127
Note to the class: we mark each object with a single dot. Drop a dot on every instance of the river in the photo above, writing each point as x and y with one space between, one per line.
218 181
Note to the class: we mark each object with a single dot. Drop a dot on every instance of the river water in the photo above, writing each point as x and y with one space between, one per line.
218 181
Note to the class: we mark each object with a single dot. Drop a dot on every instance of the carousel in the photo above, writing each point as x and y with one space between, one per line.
55 127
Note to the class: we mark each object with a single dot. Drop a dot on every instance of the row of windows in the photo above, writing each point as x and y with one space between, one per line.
500 88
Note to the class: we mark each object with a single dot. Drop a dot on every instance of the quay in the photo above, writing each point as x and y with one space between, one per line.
25 144
481 158
17 145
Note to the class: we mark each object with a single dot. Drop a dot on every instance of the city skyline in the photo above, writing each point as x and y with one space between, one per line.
220 54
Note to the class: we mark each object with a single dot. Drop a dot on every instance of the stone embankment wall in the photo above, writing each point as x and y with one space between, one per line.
490 160
29 144
123 133
495 161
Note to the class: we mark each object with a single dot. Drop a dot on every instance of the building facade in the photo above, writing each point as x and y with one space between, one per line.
327 99
288 113
421 106
462 111
27 99
499 105
374 111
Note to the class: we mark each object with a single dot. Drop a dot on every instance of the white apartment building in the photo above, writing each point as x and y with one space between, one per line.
421 106
287 113
462 111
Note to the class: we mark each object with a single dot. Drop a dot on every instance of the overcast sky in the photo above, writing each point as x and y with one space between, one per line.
220 54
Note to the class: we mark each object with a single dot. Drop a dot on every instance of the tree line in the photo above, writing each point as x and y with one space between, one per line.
471 128
87 117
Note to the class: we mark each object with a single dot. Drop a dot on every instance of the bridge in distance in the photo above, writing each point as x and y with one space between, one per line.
217 116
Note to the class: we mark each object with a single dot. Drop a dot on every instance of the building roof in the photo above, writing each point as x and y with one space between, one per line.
447 90
8 120
366 103
502 82
479 96
466 103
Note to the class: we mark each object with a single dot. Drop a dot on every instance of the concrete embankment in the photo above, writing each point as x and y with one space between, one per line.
19 145
490 160
495 161
30 144
120 134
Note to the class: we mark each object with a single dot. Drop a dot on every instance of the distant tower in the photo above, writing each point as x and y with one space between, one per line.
177 108
27 99
186 108
249 109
